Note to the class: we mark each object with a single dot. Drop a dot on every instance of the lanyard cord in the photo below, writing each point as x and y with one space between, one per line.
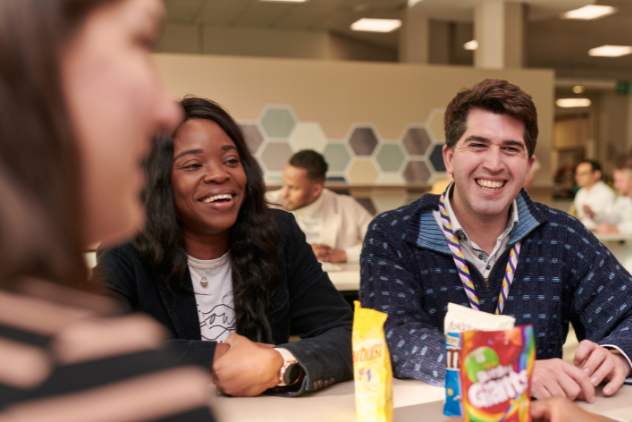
464 271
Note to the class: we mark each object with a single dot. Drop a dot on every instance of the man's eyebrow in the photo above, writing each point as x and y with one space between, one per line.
474 138
513 143
190 151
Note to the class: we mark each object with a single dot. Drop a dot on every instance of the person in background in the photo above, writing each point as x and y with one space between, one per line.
333 224
595 198
225 273
79 102
619 217
485 244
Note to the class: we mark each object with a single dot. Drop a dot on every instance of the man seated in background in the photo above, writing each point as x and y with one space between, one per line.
595 198
619 218
334 225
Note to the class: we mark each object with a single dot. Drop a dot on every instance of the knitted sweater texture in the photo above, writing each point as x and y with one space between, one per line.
564 275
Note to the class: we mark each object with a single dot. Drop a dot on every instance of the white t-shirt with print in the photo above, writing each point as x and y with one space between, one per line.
213 287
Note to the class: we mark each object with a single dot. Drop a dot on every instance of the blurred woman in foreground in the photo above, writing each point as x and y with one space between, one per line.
79 102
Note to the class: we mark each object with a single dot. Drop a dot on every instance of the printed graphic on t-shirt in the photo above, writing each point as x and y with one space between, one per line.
219 322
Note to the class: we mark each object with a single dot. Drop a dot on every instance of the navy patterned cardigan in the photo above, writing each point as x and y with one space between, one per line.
564 275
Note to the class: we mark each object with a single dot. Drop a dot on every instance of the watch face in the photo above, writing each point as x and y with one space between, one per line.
291 374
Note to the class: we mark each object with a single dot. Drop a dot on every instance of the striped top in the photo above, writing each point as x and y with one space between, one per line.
60 360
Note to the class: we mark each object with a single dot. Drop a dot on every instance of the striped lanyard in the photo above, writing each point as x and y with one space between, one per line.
464 271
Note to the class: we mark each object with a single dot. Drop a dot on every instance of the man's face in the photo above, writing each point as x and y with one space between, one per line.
489 163
622 182
298 190
585 176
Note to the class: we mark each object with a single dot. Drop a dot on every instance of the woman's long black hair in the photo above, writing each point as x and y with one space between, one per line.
254 238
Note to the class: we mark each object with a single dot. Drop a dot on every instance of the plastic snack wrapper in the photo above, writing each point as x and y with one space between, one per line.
496 374
371 367
457 320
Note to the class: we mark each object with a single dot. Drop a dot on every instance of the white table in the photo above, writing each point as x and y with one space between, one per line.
344 276
412 400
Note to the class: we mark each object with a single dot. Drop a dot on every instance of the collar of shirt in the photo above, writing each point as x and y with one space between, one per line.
458 231
310 211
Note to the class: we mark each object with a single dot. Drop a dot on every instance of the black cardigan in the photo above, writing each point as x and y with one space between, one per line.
305 296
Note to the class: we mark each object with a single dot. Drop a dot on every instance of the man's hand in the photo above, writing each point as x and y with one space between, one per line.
326 254
590 213
247 369
559 409
601 364
554 377
604 228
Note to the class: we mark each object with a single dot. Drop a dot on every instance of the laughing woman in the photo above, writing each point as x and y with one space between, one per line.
226 274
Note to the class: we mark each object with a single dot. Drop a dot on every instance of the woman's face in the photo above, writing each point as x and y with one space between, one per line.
208 179
117 102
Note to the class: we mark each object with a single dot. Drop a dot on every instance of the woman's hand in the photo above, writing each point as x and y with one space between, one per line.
246 369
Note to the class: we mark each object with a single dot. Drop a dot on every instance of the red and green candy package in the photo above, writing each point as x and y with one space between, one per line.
495 374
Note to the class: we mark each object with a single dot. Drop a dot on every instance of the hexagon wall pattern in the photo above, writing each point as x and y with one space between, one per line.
363 141
308 136
362 172
417 141
278 122
253 137
436 158
275 156
390 157
337 156
435 124
417 172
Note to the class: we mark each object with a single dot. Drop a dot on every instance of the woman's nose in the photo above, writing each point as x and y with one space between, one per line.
216 175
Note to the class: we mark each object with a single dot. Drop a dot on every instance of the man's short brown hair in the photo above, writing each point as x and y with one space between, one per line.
496 96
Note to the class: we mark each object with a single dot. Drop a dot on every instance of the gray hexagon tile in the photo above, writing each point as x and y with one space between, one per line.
337 156
252 136
275 156
417 141
278 122
363 140
390 157
308 136
436 158
417 172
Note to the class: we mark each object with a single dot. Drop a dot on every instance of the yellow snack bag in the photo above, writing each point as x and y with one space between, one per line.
371 367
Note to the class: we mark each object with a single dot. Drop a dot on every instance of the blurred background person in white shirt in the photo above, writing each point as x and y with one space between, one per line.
619 219
594 200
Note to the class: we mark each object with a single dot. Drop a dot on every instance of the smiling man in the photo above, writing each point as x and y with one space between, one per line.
455 247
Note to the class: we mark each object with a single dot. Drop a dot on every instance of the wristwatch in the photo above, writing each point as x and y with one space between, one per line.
290 371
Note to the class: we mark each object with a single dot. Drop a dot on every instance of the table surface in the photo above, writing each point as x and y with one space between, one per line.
344 276
412 400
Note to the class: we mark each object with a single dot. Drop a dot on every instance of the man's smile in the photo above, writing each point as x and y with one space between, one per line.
490 184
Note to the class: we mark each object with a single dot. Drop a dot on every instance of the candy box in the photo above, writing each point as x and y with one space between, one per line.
371 367
458 319
495 374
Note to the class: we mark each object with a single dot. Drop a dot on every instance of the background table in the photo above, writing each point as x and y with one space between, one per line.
412 400
346 277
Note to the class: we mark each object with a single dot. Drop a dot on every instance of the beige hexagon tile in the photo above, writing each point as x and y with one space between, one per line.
362 172
308 135
388 199
390 178
434 123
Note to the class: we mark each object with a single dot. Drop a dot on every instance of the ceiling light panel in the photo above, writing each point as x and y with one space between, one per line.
610 51
572 102
589 12
284 1
376 25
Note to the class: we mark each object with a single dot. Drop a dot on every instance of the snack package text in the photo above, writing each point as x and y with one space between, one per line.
371 367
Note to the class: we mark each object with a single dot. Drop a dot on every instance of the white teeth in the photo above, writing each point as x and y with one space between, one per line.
216 198
489 184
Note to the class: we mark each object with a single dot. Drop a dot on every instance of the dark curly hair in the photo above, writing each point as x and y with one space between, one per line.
497 96
254 238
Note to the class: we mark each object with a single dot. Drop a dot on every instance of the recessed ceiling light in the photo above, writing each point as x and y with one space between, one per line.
572 102
285 1
589 12
376 25
578 89
471 45
610 51
411 3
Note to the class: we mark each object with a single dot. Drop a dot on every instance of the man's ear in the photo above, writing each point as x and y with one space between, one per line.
598 175
448 154
317 189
